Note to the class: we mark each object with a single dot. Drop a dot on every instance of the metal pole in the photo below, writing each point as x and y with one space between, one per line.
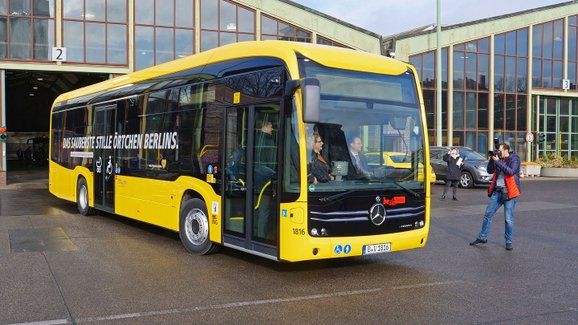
439 76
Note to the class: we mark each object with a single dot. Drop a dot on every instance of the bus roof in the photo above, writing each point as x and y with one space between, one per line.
330 56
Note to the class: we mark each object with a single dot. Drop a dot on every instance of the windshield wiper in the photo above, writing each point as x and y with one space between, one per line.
410 191
332 198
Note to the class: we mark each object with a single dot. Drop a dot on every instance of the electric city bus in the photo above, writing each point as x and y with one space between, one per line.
223 147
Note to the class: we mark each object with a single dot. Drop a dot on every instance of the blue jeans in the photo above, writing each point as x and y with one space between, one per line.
493 205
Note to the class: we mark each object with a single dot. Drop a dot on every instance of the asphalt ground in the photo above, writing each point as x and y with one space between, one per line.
57 267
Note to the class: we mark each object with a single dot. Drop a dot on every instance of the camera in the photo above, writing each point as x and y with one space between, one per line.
496 152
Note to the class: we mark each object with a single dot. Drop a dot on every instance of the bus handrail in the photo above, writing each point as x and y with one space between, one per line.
261 194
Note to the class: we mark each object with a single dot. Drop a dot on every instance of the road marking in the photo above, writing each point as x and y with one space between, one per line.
425 285
239 304
225 306
46 322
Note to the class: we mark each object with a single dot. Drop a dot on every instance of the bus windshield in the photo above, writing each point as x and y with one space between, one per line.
369 134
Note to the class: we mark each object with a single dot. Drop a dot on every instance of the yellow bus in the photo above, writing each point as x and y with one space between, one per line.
250 146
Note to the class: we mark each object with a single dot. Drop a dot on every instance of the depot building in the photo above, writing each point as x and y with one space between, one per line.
48 47
511 77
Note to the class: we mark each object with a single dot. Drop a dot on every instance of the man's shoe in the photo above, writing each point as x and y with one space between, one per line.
478 241
509 247
443 197
455 198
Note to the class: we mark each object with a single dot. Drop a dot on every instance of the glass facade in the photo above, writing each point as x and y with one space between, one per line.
572 51
224 22
95 31
510 88
558 120
166 35
471 90
548 54
474 99
26 29
425 65
275 29
325 41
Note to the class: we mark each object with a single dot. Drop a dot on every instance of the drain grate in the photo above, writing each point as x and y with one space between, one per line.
40 240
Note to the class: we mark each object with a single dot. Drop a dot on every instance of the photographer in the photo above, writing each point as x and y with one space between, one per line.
503 190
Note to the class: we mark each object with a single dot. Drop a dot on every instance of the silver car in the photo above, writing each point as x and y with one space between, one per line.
474 170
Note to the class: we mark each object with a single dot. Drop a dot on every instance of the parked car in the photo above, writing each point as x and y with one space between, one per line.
474 170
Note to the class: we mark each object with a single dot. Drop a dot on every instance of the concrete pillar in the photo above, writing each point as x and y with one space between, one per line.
2 123
491 97
450 99
529 100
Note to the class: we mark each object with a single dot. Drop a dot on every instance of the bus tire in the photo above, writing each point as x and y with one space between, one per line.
82 198
194 227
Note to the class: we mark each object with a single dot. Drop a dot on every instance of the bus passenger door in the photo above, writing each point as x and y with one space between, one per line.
251 161
104 160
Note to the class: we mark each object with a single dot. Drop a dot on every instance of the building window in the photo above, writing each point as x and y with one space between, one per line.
273 29
425 64
325 41
471 75
26 29
166 35
572 48
547 54
224 22
511 87
95 31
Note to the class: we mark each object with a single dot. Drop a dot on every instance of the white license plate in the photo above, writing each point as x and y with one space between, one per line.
376 249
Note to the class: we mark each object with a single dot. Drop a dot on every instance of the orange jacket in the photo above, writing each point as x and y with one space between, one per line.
511 168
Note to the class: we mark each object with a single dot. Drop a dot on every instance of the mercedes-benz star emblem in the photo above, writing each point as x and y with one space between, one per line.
377 214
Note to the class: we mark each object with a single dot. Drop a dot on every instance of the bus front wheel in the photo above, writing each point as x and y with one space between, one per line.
194 227
82 198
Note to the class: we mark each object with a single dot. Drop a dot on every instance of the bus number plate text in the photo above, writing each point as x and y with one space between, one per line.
376 249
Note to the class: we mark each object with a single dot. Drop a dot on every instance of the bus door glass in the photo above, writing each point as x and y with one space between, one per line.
104 160
250 199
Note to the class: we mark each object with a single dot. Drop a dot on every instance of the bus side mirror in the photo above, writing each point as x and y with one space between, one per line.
311 93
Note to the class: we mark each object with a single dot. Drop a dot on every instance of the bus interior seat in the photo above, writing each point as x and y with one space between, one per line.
209 155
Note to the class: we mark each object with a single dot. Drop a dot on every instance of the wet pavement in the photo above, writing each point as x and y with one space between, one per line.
59 267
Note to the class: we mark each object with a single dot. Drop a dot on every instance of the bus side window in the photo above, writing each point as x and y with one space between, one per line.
291 167
57 132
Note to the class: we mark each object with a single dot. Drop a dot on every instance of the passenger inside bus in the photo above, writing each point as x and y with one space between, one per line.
264 174
319 170
266 150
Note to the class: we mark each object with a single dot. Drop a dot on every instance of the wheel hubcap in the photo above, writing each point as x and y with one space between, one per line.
83 197
197 227
465 180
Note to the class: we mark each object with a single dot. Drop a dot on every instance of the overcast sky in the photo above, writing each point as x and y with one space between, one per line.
389 17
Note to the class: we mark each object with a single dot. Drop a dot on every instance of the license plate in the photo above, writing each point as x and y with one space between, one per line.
376 249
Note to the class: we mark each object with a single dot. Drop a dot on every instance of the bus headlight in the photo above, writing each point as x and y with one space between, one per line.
323 232
314 232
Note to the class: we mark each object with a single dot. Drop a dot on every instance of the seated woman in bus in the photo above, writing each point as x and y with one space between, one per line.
319 170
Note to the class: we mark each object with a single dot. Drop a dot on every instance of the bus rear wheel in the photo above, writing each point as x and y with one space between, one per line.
82 198
194 227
